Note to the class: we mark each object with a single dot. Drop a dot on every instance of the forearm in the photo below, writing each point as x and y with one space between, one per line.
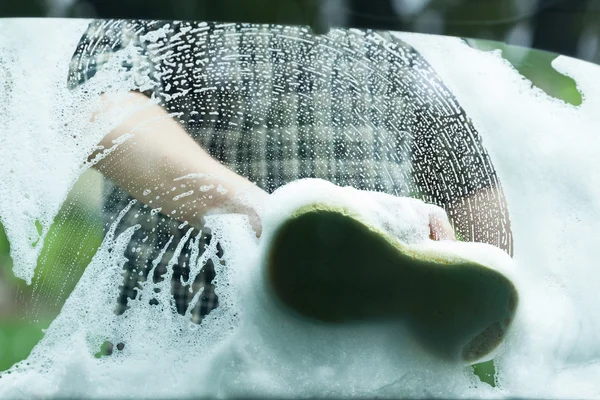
157 153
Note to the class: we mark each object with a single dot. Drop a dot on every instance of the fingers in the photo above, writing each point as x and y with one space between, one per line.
252 204
439 225
255 222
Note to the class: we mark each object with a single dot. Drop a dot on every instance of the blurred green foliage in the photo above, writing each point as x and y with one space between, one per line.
17 339
69 247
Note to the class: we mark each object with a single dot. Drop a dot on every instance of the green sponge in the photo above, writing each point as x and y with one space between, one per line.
326 264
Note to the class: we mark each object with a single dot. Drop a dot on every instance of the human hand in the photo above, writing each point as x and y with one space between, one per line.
192 197
250 203
405 218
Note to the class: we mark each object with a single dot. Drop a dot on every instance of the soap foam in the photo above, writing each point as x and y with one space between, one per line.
248 346
45 141
545 152
545 156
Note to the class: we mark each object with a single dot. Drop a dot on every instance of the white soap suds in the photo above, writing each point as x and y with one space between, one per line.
248 346
47 132
545 155
545 152
276 353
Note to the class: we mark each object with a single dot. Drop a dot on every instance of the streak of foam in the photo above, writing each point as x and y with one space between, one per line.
156 339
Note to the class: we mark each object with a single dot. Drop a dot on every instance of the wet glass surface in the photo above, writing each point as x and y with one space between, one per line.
146 155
